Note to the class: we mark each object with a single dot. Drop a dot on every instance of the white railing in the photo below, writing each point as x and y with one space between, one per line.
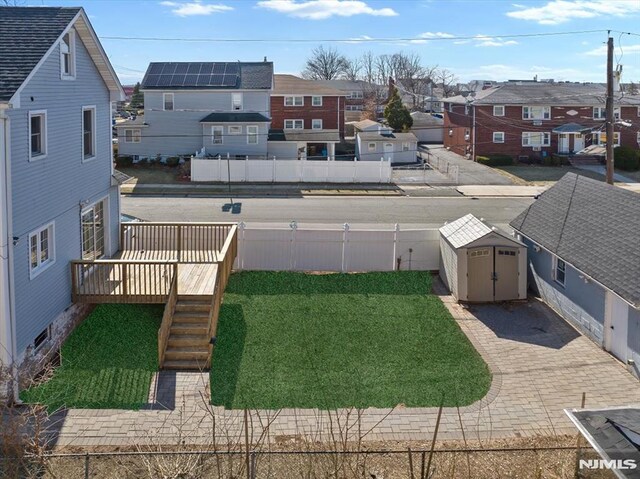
273 170
344 248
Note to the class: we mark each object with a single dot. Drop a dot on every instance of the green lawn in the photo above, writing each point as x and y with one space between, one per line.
107 362
329 341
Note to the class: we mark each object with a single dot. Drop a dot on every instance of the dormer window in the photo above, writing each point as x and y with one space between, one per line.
68 56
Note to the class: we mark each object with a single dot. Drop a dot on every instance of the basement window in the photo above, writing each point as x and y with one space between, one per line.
41 338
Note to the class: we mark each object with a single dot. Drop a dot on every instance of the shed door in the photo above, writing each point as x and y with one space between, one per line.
506 273
616 326
480 274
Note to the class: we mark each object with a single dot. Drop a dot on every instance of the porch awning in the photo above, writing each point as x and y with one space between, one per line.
572 128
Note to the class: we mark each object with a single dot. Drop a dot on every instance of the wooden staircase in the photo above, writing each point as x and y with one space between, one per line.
188 341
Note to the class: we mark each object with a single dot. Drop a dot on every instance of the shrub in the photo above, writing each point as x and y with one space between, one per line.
124 160
185 169
496 159
626 158
173 161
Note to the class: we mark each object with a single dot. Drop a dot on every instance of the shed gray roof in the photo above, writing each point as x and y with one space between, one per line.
208 76
384 136
594 227
235 117
468 229
613 432
26 34
542 93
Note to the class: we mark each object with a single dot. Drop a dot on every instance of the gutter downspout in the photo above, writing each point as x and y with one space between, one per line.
6 257
473 134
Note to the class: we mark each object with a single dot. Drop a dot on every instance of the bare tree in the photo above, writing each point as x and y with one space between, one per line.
352 69
12 3
446 80
324 64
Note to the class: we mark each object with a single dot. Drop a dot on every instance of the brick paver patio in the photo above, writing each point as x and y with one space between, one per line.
540 366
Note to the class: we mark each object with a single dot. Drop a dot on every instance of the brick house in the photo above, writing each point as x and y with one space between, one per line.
307 118
359 95
531 120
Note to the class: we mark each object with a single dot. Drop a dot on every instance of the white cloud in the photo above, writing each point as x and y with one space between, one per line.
602 50
323 9
195 8
360 39
436 35
556 12
487 41
500 72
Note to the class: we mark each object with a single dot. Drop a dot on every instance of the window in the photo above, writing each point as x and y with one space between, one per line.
252 135
536 112
293 101
354 107
67 56
93 220
88 132
294 124
167 101
41 338
216 134
41 250
316 101
316 124
132 135
372 146
600 113
600 138
406 146
559 269
537 138
236 101
356 95
235 130
498 136
498 110
37 135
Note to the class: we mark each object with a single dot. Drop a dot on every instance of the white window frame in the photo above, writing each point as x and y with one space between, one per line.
314 102
526 138
94 138
234 129
292 100
41 266
602 113
498 110
597 138
355 95
72 56
556 267
354 107
105 224
293 124
372 144
501 139
165 96
215 128
235 104
406 146
43 133
252 135
135 134
313 124
528 114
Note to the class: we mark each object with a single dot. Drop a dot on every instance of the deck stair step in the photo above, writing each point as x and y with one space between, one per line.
203 306
190 353
188 328
182 340
192 317
185 365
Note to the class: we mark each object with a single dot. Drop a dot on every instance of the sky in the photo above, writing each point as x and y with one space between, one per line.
285 31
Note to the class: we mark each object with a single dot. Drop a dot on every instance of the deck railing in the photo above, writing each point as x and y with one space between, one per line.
167 320
184 242
122 281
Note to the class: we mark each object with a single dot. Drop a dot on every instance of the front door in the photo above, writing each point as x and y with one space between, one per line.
615 326
563 143
506 273
388 151
480 274
578 143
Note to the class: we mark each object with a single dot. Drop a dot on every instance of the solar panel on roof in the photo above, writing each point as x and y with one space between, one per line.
164 80
216 80
190 80
194 68
169 68
152 80
203 80
232 69
182 68
206 69
218 68
177 80
155 68
229 80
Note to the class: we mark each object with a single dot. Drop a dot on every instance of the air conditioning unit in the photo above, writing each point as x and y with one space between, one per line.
536 148
537 122
466 137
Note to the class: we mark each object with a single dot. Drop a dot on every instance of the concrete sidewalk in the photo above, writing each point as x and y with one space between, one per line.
502 190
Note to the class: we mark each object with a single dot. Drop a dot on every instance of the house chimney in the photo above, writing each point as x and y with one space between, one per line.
535 78
265 59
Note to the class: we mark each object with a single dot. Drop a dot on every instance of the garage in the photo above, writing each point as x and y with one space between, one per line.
480 263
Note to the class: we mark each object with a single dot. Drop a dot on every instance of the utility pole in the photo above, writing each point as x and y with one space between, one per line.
609 111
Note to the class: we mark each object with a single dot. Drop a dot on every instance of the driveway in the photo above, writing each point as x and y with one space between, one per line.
540 366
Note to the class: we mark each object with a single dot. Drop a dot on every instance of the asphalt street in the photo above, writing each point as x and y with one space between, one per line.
407 211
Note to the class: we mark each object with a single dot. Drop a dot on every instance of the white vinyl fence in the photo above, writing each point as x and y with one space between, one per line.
343 248
290 171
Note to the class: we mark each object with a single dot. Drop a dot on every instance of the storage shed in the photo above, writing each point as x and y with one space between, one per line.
480 263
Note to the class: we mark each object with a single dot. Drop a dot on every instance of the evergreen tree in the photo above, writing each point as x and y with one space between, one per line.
137 98
396 114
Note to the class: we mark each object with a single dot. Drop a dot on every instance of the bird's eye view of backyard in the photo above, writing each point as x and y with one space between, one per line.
286 340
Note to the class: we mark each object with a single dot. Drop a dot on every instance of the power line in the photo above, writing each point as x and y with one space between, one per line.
348 40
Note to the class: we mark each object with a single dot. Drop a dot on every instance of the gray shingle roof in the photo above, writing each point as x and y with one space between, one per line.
378 136
542 93
26 34
208 75
468 229
224 117
594 227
